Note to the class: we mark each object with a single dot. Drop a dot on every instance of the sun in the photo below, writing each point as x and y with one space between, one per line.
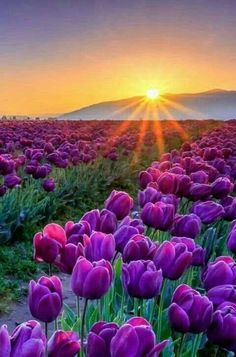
152 93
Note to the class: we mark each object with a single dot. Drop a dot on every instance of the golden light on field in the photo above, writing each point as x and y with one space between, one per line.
152 93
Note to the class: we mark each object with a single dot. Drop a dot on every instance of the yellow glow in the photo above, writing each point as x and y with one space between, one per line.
152 93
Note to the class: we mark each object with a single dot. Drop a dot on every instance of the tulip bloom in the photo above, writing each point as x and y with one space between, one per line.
199 191
48 244
207 211
93 218
99 246
12 180
141 279
5 345
75 231
120 203
158 215
150 194
99 339
188 225
189 311
132 222
28 340
220 272
198 253
123 235
63 343
68 256
136 338
45 298
91 280
222 293
144 179
183 186
49 185
222 330
138 247
167 182
221 187
173 259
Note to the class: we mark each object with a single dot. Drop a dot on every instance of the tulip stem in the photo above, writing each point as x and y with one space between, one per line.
77 307
160 308
46 329
82 328
136 307
196 343
55 325
180 348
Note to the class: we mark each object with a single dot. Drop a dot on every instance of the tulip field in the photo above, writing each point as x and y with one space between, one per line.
141 217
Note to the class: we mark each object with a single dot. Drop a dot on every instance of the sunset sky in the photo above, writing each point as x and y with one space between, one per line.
59 55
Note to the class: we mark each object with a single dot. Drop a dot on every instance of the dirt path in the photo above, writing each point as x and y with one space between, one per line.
19 312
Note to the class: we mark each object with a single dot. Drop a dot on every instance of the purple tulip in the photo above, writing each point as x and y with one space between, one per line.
221 294
93 218
183 186
99 339
5 344
91 280
6 166
119 203
199 191
208 211
99 246
63 343
221 187
12 180
150 194
49 185
158 215
220 272
28 340
198 253
68 256
229 205
189 311
167 182
138 247
144 179
45 298
136 338
123 235
108 221
222 330
137 223
76 231
188 225
48 244
173 259
199 177
141 279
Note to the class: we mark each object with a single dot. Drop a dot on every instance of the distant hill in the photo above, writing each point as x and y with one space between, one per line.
213 104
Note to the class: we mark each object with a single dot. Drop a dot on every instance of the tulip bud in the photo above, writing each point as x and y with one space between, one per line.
99 339
119 203
45 298
188 225
136 338
189 311
99 246
91 280
63 343
141 279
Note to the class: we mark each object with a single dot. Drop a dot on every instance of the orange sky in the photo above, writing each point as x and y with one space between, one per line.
63 66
